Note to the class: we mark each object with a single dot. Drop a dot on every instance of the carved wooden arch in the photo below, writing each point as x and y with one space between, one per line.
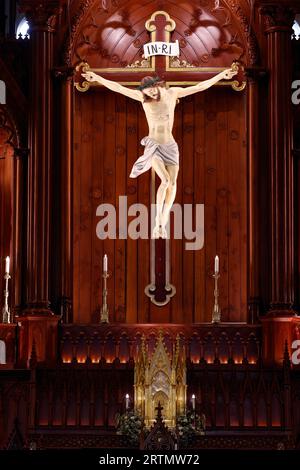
9 134
237 39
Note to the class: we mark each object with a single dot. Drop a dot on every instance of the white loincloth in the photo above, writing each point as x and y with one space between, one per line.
168 153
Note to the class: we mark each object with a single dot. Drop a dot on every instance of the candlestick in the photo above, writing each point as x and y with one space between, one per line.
105 263
193 402
104 309
126 401
6 316
7 263
216 264
216 315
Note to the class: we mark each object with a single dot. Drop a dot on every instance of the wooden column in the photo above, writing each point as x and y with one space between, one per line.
65 76
19 229
38 324
41 15
278 23
254 219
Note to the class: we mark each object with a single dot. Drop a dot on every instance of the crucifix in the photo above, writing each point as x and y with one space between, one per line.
161 153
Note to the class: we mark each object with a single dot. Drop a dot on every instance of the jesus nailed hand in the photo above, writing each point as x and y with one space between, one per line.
161 151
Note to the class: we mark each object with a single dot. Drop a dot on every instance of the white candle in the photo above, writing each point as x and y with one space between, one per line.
105 263
126 401
193 402
7 263
216 264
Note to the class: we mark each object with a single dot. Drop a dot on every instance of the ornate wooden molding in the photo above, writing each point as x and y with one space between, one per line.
67 56
253 48
240 344
41 14
8 125
277 17
233 8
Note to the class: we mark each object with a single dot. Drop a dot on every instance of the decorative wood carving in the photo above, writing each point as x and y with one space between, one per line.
92 40
75 405
9 133
42 14
253 48
204 344
15 440
277 16
8 335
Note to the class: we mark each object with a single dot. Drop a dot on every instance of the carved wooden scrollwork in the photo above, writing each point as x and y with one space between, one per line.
113 36
9 137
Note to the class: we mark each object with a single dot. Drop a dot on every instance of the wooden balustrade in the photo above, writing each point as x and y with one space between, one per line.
222 344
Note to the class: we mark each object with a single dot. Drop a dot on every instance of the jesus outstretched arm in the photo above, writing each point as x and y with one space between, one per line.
202 86
113 86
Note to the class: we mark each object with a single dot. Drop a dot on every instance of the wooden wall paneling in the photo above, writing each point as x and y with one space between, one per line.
244 188
199 198
92 405
187 168
257 167
210 197
143 246
176 258
109 188
6 201
212 171
79 101
131 257
234 211
97 197
99 403
222 201
237 255
86 217
121 190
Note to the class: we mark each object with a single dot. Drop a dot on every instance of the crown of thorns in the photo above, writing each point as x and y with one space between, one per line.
149 83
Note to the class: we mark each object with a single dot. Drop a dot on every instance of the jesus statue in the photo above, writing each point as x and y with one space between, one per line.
161 150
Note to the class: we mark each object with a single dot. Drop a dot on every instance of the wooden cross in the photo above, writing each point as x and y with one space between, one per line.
160 26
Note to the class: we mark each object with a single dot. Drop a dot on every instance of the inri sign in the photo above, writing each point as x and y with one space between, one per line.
161 48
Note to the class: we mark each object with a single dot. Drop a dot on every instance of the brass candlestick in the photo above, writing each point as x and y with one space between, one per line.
104 308
216 315
6 316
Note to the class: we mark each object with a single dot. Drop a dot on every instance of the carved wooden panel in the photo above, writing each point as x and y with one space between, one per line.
7 167
208 36
79 405
229 399
210 130
119 344
8 335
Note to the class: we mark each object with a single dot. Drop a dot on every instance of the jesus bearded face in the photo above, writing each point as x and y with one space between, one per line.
150 87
